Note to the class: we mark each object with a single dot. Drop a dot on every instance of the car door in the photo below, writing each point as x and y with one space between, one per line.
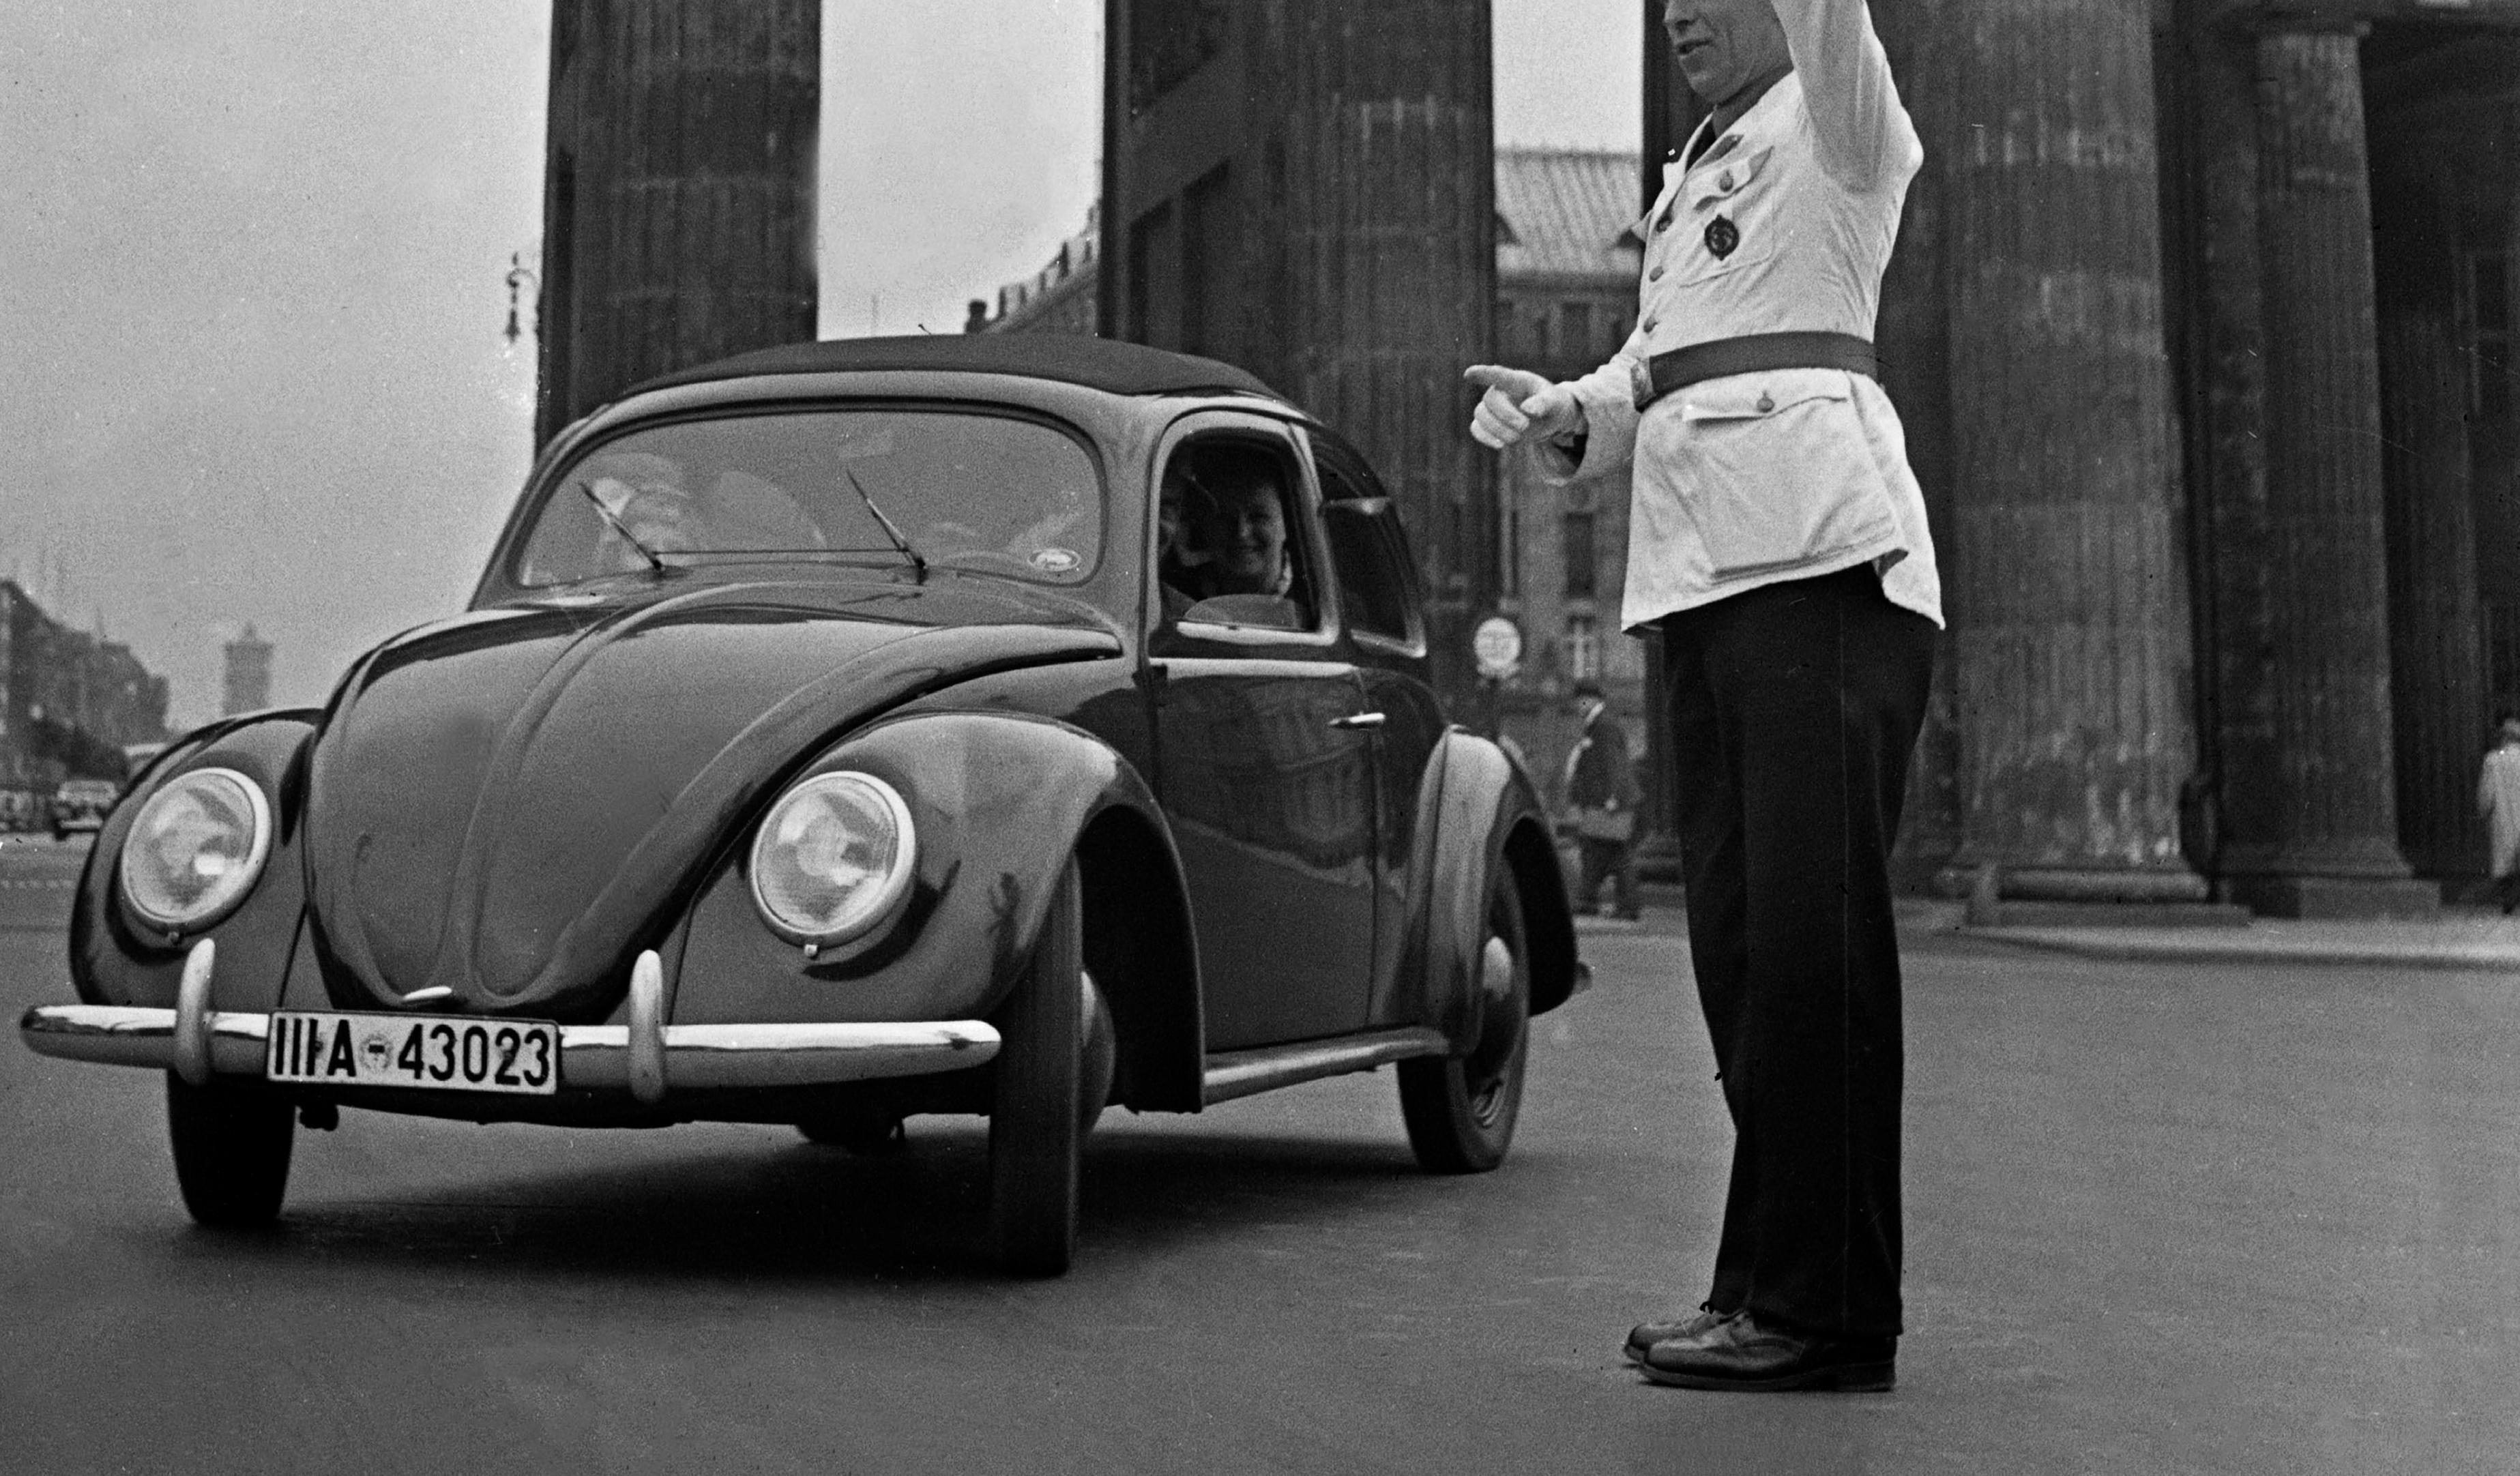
1265 764
1382 607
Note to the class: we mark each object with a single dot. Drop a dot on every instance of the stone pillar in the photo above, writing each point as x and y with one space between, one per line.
2230 515
1376 147
2444 399
2309 809
2437 676
678 200
2064 583
1914 336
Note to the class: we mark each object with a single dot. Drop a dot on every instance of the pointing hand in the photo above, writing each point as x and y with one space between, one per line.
1520 405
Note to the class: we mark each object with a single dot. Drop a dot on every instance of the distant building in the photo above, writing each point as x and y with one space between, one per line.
247 684
1566 285
1566 293
70 701
1059 298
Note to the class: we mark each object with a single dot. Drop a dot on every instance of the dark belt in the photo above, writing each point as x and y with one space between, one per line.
1752 353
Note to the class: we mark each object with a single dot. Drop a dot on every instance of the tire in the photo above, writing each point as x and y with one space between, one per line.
1461 1111
1036 1131
231 1152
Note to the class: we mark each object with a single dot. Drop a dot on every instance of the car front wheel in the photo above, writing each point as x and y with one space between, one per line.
231 1152
1461 1109
1036 1131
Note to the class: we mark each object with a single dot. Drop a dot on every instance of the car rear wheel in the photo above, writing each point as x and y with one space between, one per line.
1036 1127
1461 1111
231 1152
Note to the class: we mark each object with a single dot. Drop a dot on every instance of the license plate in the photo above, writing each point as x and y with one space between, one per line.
430 1052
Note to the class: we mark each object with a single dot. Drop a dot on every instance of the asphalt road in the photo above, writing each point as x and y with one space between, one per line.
2161 1219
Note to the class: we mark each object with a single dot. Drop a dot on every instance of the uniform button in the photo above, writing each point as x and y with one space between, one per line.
1655 275
1723 181
1767 402
1649 323
1663 224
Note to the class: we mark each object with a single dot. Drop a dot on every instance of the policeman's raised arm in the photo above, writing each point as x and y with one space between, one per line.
1866 140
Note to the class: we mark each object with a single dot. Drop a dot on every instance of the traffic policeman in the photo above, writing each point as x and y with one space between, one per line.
1777 538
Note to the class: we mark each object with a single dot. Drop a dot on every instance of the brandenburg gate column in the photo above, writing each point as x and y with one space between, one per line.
2063 576
2307 782
678 190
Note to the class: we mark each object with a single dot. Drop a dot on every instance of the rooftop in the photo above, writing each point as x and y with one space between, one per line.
1103 364
1565 212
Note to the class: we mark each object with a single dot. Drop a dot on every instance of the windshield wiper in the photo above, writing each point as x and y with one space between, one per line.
889 532
622 528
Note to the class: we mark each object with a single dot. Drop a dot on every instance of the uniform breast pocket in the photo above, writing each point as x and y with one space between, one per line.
1776 474
1729 208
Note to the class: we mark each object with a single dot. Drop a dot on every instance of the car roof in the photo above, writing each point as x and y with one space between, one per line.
1104 364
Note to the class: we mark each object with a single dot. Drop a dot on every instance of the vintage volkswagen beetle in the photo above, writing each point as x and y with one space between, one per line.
828 742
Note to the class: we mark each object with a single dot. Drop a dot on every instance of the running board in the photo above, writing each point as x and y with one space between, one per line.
1240 1073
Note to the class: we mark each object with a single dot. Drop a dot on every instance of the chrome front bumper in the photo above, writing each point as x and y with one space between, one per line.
646 1057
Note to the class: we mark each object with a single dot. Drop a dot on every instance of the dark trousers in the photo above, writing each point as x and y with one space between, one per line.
1614 860
1794 709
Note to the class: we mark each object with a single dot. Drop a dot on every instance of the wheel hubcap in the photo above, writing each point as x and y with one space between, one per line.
1484 1072
1496 970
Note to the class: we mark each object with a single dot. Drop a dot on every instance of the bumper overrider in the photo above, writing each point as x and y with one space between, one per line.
644 1057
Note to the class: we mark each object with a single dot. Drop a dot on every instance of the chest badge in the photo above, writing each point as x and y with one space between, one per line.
1722 236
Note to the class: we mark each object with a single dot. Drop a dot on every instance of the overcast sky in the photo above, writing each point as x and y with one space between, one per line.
251 256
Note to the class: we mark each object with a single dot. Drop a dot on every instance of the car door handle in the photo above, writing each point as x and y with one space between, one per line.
1357 722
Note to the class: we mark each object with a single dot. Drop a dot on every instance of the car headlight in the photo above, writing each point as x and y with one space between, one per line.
833 859
195 849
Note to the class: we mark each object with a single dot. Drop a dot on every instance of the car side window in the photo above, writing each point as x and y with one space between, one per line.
1368 551
1230 543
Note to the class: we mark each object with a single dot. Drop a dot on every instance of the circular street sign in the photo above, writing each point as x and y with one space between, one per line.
1497 643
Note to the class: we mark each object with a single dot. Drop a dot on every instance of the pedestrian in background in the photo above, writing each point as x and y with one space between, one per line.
1602 797
1777 537
2498 800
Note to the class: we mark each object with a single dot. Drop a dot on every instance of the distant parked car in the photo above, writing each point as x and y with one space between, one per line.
80 805
997 724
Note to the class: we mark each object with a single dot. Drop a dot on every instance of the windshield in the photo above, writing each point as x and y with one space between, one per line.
962 489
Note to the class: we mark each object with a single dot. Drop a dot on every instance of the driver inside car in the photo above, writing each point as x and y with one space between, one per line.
647 495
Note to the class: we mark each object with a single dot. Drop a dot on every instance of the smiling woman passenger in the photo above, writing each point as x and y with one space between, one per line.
1225 515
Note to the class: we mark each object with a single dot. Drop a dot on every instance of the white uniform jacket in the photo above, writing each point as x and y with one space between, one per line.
1784 223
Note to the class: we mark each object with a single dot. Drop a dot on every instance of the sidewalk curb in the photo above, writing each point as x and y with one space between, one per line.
2244 949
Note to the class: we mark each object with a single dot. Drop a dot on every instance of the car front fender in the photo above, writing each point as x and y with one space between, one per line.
114 963
999 803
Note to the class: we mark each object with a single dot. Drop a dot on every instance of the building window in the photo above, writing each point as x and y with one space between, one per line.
1575 328
1207 243
2489 276
1512 550
1583 648
2501 653
1582 578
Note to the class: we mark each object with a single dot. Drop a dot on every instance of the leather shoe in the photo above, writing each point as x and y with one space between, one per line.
1742 1354
1645 1335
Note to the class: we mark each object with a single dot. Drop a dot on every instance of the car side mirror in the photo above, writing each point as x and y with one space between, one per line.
1257 612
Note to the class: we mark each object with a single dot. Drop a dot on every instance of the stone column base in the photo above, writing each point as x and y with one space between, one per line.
1658 857
2336 896
1966 876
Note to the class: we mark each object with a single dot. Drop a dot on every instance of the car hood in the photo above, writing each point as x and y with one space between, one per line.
511 803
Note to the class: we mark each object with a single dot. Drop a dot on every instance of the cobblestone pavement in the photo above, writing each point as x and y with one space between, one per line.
2162 1218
